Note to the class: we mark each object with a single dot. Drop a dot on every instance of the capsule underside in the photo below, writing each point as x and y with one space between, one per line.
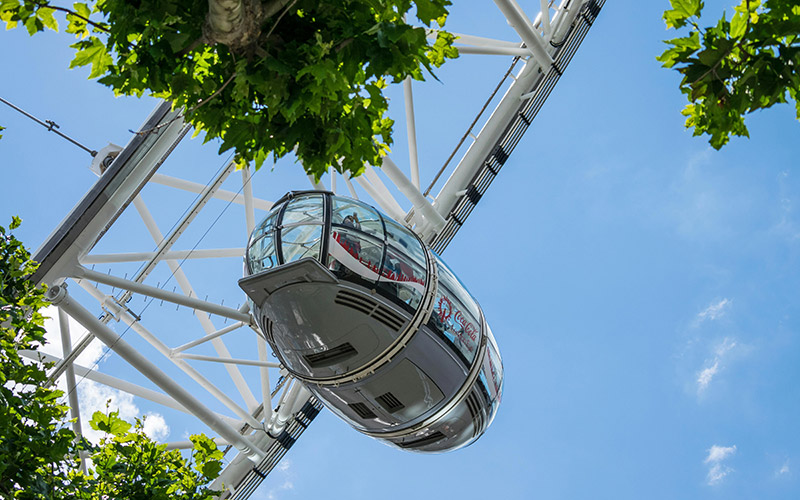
373 323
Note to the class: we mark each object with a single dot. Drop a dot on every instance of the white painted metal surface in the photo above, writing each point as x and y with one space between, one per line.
257 424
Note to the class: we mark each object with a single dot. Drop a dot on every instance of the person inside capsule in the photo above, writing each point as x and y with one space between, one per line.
372 322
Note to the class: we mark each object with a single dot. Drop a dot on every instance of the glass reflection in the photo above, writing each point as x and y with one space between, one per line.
356 215
304 210
261 254
300 242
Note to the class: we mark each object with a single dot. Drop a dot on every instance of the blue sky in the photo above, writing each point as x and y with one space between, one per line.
642 286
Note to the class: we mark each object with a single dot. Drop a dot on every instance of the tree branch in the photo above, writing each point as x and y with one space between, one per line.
215 94
68 11
273 7
275 24
235 23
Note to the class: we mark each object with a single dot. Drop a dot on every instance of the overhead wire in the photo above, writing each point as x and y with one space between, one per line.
50 125
137 317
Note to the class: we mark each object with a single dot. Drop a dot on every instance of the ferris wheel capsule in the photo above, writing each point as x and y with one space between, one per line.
373 322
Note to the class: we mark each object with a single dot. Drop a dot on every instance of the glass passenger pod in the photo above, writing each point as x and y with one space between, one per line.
359 246
441 389
464 423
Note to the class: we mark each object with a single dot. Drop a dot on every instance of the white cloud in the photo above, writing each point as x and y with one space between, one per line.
88 357
714 310
714 365
724 347
717 470
286 474
705 376
156 427
717 473
784 470
719 453
93 396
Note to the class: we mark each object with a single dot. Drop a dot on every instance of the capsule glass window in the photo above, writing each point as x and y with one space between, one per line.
261 254
261 250
404 240
403 277
492 374
448 279
307 209
356 215
300 242
453 320
354 256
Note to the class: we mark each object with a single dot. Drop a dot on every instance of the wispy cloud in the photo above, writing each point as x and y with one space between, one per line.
714 364
784 470
724 347
714 310
717 470
787 225
92 396
705 376
286 479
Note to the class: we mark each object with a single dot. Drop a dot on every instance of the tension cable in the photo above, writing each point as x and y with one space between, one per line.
51 126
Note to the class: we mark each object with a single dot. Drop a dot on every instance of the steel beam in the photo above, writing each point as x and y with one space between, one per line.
58 296
231 361
196 187
101 206
186 287
158 293
411 131
213 335
524 28
110 304
421 206
205 253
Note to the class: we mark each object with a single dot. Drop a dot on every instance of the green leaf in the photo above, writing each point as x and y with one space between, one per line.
82 9
430 10
681 11
109 423
45 14
92 51
15 221
211 469
682 49
9 5
738 25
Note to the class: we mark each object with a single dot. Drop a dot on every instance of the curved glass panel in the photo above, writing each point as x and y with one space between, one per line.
354 255
455 322
307 209
403 277
357 215
492 374
299 242
449 280
404 240
262 253
267 224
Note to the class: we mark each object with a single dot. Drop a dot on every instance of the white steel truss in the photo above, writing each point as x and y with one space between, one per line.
262 425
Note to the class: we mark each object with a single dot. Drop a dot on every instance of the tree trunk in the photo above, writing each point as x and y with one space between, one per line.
237 23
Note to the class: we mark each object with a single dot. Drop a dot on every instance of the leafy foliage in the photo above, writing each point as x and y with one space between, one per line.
37 451
738 66
32 443
127 464
311 81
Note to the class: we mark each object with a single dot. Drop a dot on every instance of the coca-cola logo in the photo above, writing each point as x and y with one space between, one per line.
445 309
469 328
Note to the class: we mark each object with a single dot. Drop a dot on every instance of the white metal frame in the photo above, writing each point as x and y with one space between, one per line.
257 425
